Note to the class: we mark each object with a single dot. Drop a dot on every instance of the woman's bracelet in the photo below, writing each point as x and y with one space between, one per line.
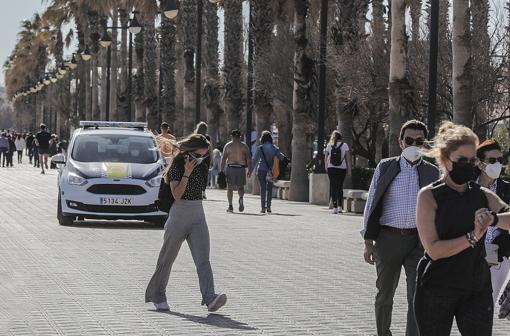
185 176
471 238
496 218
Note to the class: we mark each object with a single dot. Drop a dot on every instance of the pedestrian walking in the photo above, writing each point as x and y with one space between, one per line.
215 168
202 128
20 144
4 147
11 151
453 214
53 149
391 237
166 143
35 153
236 159
186 175
338 165
43 146
30 145
263 161
491 163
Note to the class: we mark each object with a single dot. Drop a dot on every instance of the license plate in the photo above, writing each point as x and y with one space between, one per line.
115 201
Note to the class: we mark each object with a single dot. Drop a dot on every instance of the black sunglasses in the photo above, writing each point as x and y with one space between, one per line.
465 161
494 160
411 141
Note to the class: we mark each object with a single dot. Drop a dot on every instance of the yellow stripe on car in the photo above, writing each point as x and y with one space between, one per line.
116 169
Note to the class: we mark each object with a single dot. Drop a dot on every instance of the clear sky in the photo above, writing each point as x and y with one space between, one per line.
13 12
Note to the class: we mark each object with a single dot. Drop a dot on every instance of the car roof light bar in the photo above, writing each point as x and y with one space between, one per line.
120 124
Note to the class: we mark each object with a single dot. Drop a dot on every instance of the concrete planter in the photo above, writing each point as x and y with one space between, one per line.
319 189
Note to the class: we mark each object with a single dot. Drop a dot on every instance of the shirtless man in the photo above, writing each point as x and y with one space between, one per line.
236 158
165 142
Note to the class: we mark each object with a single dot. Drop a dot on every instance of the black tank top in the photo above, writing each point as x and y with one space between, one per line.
454 218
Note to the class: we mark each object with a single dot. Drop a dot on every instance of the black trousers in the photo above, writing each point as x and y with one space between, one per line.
436 306
336 185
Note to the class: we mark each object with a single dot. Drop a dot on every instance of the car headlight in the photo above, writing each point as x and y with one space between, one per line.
154 182
75 179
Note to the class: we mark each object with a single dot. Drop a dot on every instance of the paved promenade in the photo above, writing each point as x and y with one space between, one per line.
298 271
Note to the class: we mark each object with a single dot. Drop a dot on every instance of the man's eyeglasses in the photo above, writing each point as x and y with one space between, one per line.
494 160
411 141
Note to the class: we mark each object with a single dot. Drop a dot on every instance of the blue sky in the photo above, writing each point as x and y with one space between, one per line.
13 12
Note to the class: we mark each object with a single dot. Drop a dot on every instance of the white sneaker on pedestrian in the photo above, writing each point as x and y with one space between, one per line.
162 306
335 211
218 302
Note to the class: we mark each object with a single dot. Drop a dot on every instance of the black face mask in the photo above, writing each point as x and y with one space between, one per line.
462 172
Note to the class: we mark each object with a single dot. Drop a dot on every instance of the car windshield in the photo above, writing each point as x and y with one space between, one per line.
115 148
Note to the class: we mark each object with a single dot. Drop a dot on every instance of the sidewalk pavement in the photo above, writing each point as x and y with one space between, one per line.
299 271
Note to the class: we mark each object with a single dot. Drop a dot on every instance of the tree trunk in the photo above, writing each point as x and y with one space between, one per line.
262 28
114 67
122 101
95 82
179 82
167 59
189 21
462 62
233 62
103 54
212 76
139 78
480 53
150 74
301 99
401 105
284 125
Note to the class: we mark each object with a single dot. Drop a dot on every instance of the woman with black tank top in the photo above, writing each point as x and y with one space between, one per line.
453 214
187 177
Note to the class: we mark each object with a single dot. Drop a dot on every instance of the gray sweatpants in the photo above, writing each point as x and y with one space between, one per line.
186 221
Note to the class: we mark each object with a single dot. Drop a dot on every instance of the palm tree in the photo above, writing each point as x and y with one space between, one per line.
462 75
114 65
212 75
401 104
480 53
188 20
138 78
168 59
149 10
262 28
301 98
233 62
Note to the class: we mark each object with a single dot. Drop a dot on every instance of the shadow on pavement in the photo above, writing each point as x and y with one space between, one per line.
118 225
217 320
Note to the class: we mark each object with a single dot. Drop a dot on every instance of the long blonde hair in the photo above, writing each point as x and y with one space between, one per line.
334 138
189 144
448 139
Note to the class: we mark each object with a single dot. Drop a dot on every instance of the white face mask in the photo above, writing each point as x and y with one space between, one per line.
493 170
411 153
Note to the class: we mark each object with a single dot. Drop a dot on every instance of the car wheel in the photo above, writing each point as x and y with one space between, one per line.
62 219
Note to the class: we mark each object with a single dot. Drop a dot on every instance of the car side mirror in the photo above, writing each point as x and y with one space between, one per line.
58 159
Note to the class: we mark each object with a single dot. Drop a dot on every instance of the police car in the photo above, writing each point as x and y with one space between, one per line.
112 170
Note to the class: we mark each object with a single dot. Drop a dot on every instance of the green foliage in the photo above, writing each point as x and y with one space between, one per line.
361 177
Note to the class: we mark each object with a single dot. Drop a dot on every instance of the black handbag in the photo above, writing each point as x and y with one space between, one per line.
165 197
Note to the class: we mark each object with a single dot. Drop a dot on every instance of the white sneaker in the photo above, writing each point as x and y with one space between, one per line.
162 306
218 302
335 211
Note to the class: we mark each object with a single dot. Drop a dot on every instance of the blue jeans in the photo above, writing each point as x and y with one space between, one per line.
266 189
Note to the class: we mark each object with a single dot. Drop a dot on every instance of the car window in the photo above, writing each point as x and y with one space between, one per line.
115 148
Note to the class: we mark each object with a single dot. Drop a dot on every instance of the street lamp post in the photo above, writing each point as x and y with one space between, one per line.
433 52
134 27
319 159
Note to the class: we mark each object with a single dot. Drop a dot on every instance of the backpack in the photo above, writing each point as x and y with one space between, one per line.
336 155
